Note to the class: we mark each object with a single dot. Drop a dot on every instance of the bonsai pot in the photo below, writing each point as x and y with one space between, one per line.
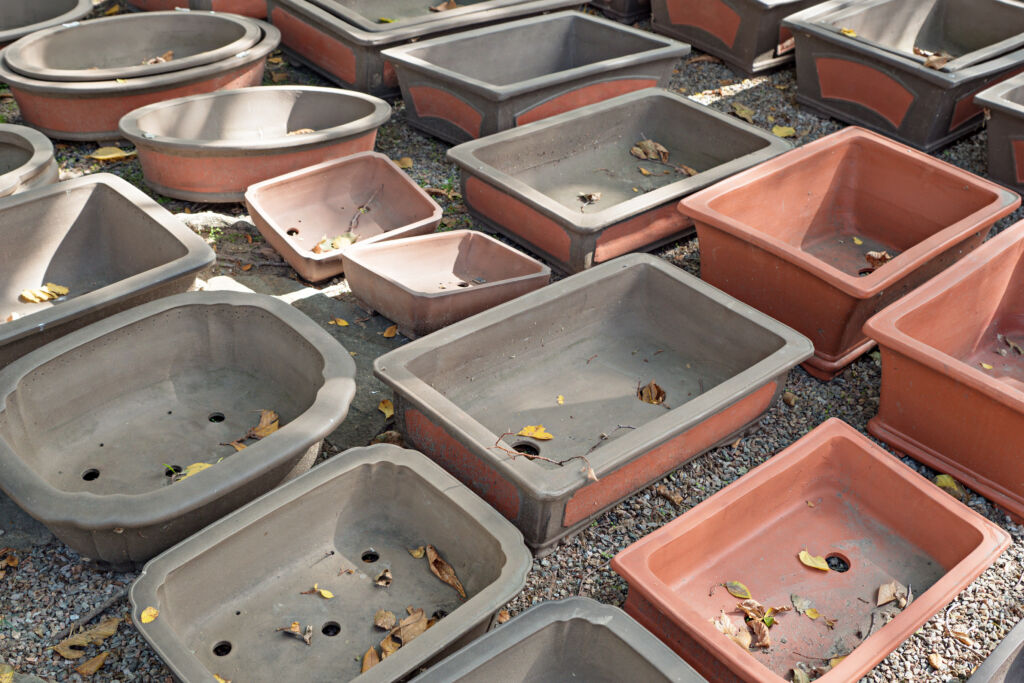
63 234
21 17
257 9
573 358
831 494
364 195
202 367
26 160
875 79
792 236
476 83
1005 103
746 34
211 147
1006 663
222 598
425 283
90 110
513 184
626 11
561 640
950 396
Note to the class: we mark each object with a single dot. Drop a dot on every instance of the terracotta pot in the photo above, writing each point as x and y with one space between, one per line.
933 346
296 211
790 236
222 597
1006 663
211 147
513 184
831 493
257 9
91 110
425 283
626 11
1005 103
21 17
26 160
592 339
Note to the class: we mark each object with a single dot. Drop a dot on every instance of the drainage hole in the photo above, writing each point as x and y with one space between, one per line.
222 648
331 628
238 613
171 470
101 445
837 563
170 412
216 417
370 556
91 474
526 448
292 232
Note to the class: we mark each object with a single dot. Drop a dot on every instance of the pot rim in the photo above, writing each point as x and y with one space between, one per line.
994 97
42 156
73 15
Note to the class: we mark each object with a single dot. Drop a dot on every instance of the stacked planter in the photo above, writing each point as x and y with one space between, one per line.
257 9
26 159
1005 103
18 18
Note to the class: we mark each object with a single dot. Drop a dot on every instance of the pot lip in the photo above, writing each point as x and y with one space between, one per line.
465 156
75 14
96 512
556 484
146 590
145 141
133 86
994 97
633 563
884 327
42 156
698 207
498 9
251 34
660 48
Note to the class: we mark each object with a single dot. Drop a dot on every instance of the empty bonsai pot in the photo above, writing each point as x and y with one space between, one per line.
26 160
1005 103
365 197
952 391
63 234
875 77
425 283
90 110
831 494
257 9
211 147
576 638
1006 663
746 34
186 376
476 83
797 237
573 358
21 17
339 526
513 184
626 11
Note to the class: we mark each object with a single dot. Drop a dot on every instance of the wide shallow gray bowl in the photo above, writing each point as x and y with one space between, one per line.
21 17
26 159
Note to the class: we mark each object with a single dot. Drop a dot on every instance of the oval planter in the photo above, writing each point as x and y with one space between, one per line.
91 110
119 46
26 159
203 367
211 147
257 9
19 18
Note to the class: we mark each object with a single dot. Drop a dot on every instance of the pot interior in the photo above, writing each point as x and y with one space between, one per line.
399 10
18 13
15 152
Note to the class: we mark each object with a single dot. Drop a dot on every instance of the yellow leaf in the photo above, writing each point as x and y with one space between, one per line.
149 614
194 468
784 131
93 665
390 332
278 76
385 20
340 322
737 589
370 659
268 425
643 171
220 679
418 552
815 562
116 9
834 662
743 111
275 60
951 486
404 162
6 673
386 407
812 613
57 290
325 594
848 32
535 432
561 400
237 445
986 366
858 241
37 296
112 154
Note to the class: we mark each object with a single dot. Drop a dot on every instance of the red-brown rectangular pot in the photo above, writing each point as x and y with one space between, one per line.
940 404
789 237
834 494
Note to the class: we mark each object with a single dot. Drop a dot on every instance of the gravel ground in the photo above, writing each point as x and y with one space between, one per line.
52 588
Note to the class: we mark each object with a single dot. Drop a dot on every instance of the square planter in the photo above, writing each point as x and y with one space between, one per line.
875 79
223 597
512 183
1006 663
149 392
62 233
752 532
746 34
790 237
626 11
26 159
257 9
477 83
425 283
939 403
572 357
1005 103
562 640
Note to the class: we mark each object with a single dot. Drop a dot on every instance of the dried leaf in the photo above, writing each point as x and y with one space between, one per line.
404 162
962 637
848 32
384 619
688 170
858 241
191 469
112 154
725 625
677 500
651 393
763 639
800 676
503 616
325 594
220 679
340 322
951 486
877 258
815 562
888 592
237 445
812 613
385 20
560 400
383 579
535 432
737 590
370 659
300 131
390 332
703 58
589 197
1012 344
390 436
784 131
386 407
411 626
278 76
446 5
834 662
149 615
268 425
937 61
800 604
418 552
68 648
160 59
743 111
93 665
643 171
651 150
444 571
38 296
56 290
936 661
388 647
295 627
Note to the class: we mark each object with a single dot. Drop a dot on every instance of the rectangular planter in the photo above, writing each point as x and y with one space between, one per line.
477 83
316 34
224 593
563 640
1006 663
63 234
572 357
746 34
626 11
831 493
790 237
874 79
939 404
425 283
513 184
295 211
1005 103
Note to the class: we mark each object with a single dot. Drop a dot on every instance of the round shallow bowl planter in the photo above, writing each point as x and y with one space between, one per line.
257 9
26 159
21 17
210 148
91 110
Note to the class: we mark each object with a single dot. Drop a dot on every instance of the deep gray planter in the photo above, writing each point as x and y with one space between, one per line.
477 83
26 159
1005 102
21 17
626 11
1006 663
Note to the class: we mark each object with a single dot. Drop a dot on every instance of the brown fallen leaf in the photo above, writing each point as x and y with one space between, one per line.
446 5
503 616
800 676
890 592
237 445
877 259
763 638
651 393
643 171
743 111
390 332
688 170
671 496
444 571
411 626
301 131
650 150
70 647
384 620
1012 344
370 659
702 59
800 604
937 61
391 436
295 628
160 59
587 198
93 665
383 579
268 424
726 626
388 647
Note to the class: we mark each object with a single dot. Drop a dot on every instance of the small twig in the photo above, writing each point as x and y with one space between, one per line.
604 437
326 555
591 358
363 209
529 456
579 588
92 614
820 659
